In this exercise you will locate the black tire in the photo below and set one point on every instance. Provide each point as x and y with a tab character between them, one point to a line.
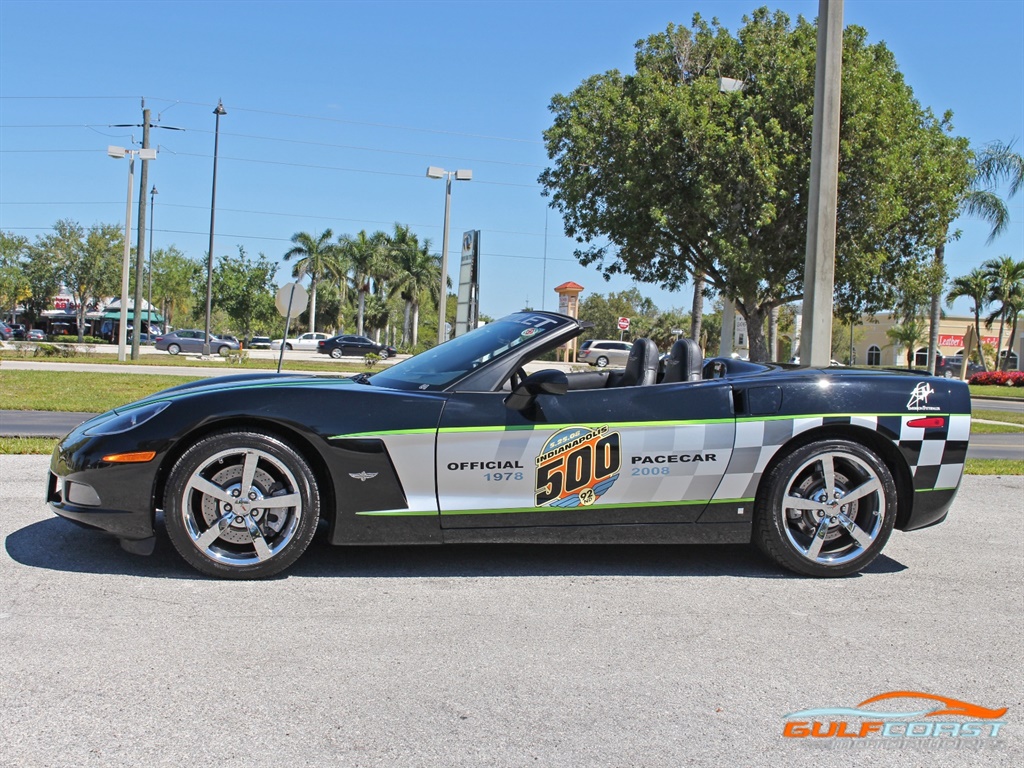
947	374
602	362
336	353
383	354
223	351
798	527
173	349
219	534
288	347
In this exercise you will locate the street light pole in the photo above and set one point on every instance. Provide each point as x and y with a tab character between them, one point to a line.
149	298
118	153
213	210
434	172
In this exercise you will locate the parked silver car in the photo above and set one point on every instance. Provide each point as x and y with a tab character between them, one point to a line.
603	352
193	341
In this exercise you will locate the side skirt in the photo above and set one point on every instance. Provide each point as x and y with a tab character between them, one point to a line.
666	533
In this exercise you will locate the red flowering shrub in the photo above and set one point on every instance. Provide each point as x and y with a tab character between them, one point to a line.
999	378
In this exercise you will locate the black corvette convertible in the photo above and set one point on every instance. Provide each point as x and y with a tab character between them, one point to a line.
460	444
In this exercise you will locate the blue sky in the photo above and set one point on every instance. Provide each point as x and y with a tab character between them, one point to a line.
335	109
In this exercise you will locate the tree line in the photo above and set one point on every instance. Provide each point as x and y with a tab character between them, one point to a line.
381	283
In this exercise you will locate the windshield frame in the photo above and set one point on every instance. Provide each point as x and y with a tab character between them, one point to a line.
482	358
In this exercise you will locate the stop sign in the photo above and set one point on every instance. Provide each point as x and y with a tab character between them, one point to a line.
623	323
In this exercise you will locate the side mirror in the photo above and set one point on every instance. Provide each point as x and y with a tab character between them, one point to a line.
548	382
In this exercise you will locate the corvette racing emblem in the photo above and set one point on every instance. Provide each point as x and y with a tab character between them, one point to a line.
577	466
919	398
362	476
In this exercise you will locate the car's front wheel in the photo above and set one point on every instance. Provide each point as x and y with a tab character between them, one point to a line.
947	374
826	509
336	353
241	505
173	349
223	351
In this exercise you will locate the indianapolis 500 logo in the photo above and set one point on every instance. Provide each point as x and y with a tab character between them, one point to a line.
577	466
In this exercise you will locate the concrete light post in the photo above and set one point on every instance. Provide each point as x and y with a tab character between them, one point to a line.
118	153
434	172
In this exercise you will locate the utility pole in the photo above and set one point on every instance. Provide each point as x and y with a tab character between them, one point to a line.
141	247
820	259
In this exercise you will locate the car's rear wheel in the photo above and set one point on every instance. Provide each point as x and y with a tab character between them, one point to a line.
947	374
602	362
288	346
173	349
826	509
241	505
336	353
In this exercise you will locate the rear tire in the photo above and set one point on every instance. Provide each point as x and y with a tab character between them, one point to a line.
336	353
602	362
826	510
241	505
173	349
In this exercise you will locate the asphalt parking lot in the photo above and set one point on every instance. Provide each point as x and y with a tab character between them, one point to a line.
496	656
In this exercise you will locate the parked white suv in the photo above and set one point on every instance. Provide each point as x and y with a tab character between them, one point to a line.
603	352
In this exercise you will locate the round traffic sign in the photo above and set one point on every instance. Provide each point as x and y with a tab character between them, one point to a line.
623	323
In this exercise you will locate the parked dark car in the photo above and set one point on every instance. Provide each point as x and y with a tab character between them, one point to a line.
5	332
36	334
192	341
17	330
353	346
949	367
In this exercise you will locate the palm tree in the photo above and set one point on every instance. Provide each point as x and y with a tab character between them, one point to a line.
907	335
316	257
995	163
974	286
420	275
363	253
1006	287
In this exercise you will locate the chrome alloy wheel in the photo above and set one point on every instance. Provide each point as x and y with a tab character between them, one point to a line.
834	507
241	506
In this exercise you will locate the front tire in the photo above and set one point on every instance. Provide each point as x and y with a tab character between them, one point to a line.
241	505
827	509
223	351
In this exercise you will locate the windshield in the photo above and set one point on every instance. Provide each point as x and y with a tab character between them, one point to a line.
445	364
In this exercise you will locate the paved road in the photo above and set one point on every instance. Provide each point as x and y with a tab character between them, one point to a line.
494	656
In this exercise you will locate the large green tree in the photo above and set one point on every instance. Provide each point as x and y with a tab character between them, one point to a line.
662	175
418	275
14	283
174	275
318	257
245	290
88	263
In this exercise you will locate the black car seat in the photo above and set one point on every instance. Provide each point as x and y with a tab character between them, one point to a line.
642	366
685	362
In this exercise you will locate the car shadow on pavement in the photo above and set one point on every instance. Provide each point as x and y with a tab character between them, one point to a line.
62	546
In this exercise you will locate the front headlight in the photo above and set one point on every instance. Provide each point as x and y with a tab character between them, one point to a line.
122	422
